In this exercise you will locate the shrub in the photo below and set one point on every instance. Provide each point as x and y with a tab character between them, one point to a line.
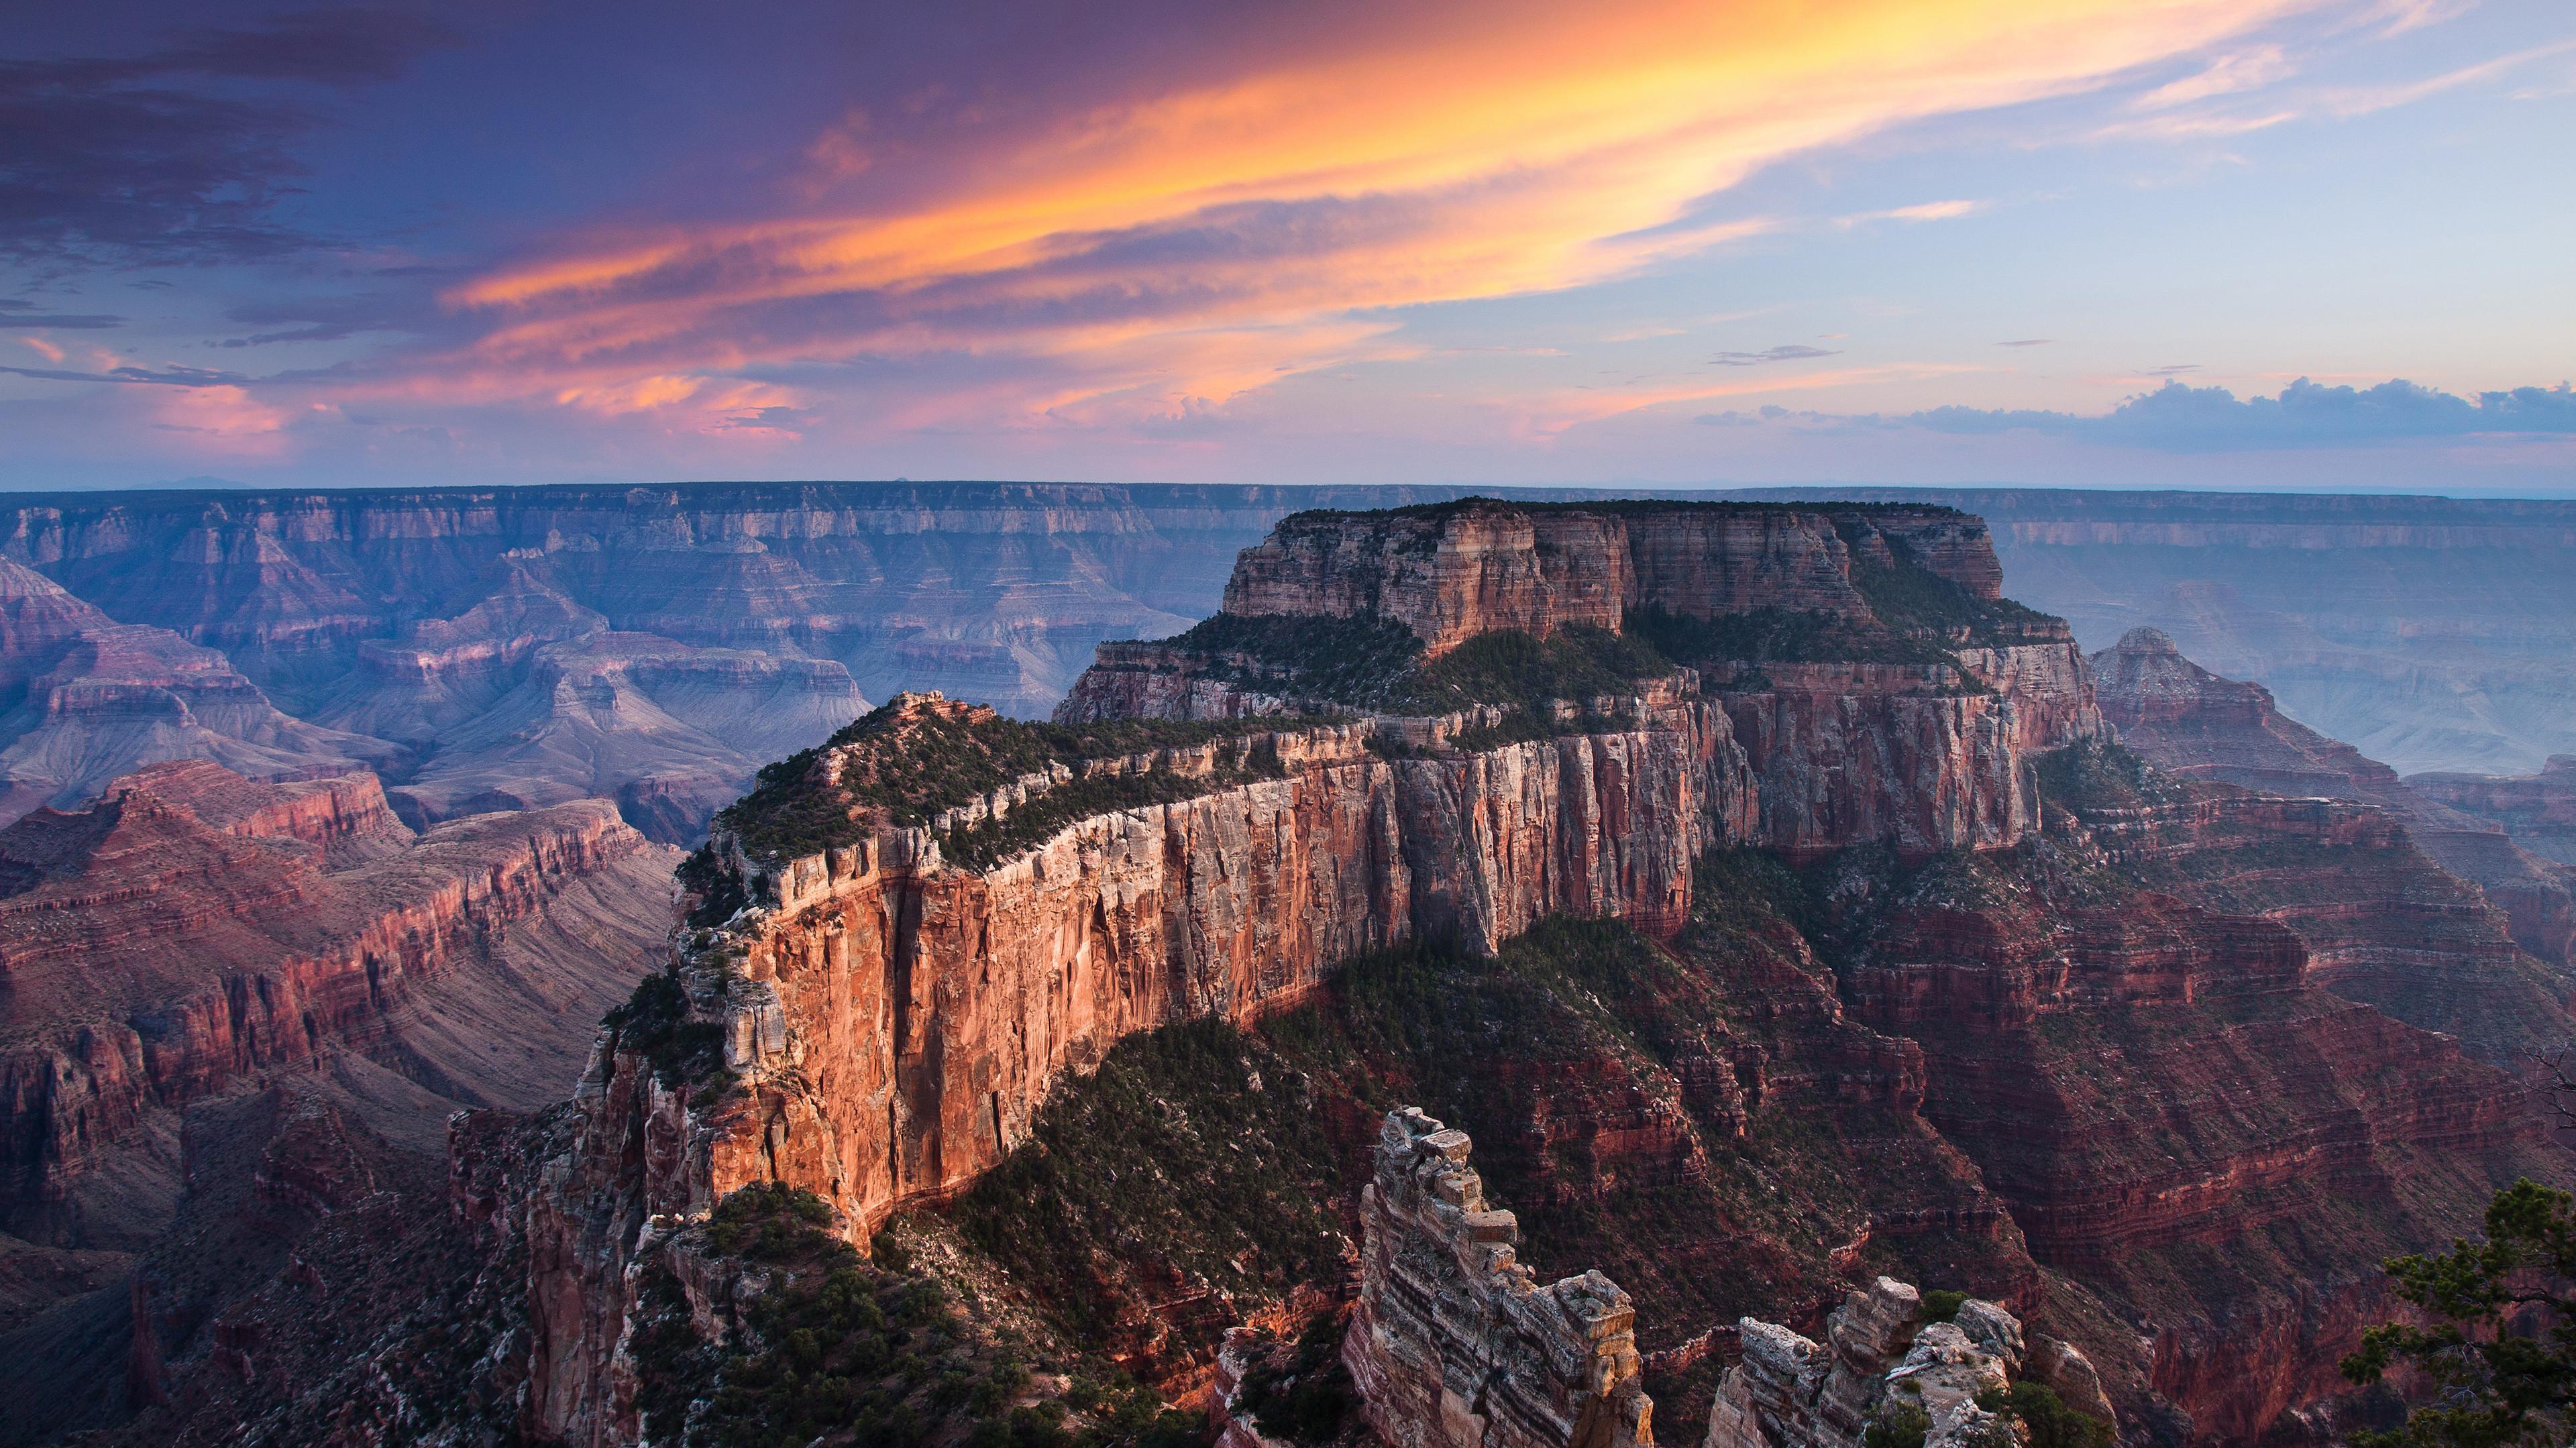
1897	1425
2049	1421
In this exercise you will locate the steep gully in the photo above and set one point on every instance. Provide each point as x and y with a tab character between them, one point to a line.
892	1022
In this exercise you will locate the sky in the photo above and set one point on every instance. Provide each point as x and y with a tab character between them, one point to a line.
2135	243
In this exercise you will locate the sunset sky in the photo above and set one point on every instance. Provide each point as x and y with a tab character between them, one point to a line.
2196	243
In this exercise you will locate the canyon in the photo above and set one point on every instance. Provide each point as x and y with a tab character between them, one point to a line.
1760	886
268	971
438	636
881	1028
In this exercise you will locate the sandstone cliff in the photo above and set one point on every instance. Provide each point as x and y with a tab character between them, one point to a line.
196	930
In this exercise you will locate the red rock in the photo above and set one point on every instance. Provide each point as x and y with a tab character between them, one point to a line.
197	929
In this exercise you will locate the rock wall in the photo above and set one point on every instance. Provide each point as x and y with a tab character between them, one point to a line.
1448	574
1913	755
2537	810
894	1022
2152	1083
1454	571
1454	1344
197	928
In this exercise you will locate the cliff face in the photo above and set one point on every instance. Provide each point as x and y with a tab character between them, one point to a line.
1452	572
2117	1079
893	1021
1447	575
2186	1109
2196	725
197	929
2537	810
84	699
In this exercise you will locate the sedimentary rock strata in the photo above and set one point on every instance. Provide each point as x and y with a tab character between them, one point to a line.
1454	1343
2397	932
196	929
84	699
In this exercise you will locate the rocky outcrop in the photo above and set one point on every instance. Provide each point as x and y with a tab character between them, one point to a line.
1879	1359
196	929
893	1022
1848	753
2154	1082
2537	810
1448	573
2431	633
1455	1344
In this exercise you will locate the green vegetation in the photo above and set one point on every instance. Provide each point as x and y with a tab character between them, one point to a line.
2090	777
911	765
1897	1425
654	1023
988	842
2046	1419
1776	635
1941	1306
1520	671
718	893
1376	664
2496	1339
788	814
1354	661
839	1349
1914	600
1194	1151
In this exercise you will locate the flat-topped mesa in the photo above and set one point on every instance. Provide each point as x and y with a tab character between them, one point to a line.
1451	571
1861	657
1454	1344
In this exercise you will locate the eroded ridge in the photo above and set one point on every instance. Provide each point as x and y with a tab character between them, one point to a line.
1455	1344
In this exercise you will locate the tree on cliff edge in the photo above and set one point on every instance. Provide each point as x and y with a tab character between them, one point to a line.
2500	1353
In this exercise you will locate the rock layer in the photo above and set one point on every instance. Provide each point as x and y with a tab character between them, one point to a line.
197	929
1454	1343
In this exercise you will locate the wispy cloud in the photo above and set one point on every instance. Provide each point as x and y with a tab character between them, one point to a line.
1924	211
1787	352
18	313
2027	342
1289	205
2196	108
2242	70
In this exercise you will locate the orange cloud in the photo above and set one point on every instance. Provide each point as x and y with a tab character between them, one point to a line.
221	420
1203	241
